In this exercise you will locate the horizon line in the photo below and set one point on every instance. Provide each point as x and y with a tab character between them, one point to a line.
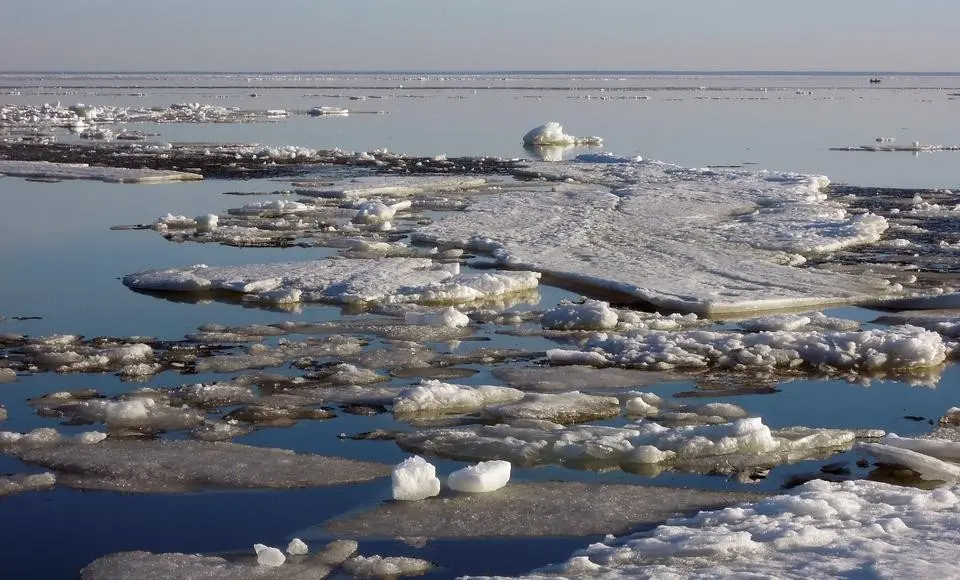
684	71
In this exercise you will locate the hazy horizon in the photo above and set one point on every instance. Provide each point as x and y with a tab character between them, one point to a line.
870	36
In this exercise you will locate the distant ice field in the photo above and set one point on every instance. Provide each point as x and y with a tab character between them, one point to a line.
786	123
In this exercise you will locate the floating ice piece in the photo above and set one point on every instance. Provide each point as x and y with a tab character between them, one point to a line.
48	170
591	315
347	281
821	530
376	211
389	567
551	133
328	111
480	478
915	147
928	467
896	348
269	557
297	547
415	479
563	408
91	437
704	241
165	466
149	566
277	206
7	375
30	482
434	397
449	317
366	187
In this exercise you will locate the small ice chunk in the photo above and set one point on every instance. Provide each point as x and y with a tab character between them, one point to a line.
415	479
591	315
91	437
450	317
551	133
390	567
297	547
269	557
480	478
7	376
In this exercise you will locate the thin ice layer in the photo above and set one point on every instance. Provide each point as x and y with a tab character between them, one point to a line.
822	530
345	281
361	187
49	170
701	241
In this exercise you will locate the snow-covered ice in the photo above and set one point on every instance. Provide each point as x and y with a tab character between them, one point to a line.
297	547
368	187
269	556
590	315
435	397
694	240
483	477
49	170
551	134
346	281
415	479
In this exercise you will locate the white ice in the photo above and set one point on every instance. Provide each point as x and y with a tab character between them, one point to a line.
483	477
694	240
449	317
49	170
268	556
434	397
297	547
347	281
551	134
366	187
590	315
414	479
820	530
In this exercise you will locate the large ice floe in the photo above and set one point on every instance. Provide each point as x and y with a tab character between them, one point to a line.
344	281
695	240
851	529
59	171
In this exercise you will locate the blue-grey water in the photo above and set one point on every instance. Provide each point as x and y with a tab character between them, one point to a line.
61	262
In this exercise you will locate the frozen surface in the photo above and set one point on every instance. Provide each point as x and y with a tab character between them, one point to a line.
822	530
435	397
346	281
693	240
364	187
896	348
533	509
48	170
483	477
144	466
415	479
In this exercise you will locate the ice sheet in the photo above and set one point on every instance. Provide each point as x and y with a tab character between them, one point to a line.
48	170
704	241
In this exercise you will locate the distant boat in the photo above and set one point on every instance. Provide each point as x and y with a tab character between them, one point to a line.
875	80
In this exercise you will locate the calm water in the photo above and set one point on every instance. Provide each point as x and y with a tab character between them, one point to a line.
59	260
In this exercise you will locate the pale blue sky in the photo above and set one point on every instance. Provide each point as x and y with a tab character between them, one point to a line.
283	35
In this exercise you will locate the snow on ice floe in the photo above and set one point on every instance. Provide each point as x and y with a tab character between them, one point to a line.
12	484
414	479
49	170
160	466
433	397
344	281
366	187
821	530
646	446
693	240
548	508
900	348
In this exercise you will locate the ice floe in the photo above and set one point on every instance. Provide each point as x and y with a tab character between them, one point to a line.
160	466
367	187
345	281
551	134
694	240
591	315
899	348
49	170
483	477
27	482
435	397
822	529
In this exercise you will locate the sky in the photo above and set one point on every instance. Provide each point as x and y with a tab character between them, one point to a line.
434	35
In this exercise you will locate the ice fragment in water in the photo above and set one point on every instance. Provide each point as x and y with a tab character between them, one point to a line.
270	557
482	477
415	479
297	547
551	133
591	315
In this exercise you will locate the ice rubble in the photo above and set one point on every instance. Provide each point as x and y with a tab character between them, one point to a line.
449	317
435	397
693	240
591	315
483	477
820	530
744	442
367	187
900	348
415	479
162	466
346	281
551	134
49	170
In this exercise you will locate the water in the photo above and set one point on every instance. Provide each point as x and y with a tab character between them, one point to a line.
60	261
